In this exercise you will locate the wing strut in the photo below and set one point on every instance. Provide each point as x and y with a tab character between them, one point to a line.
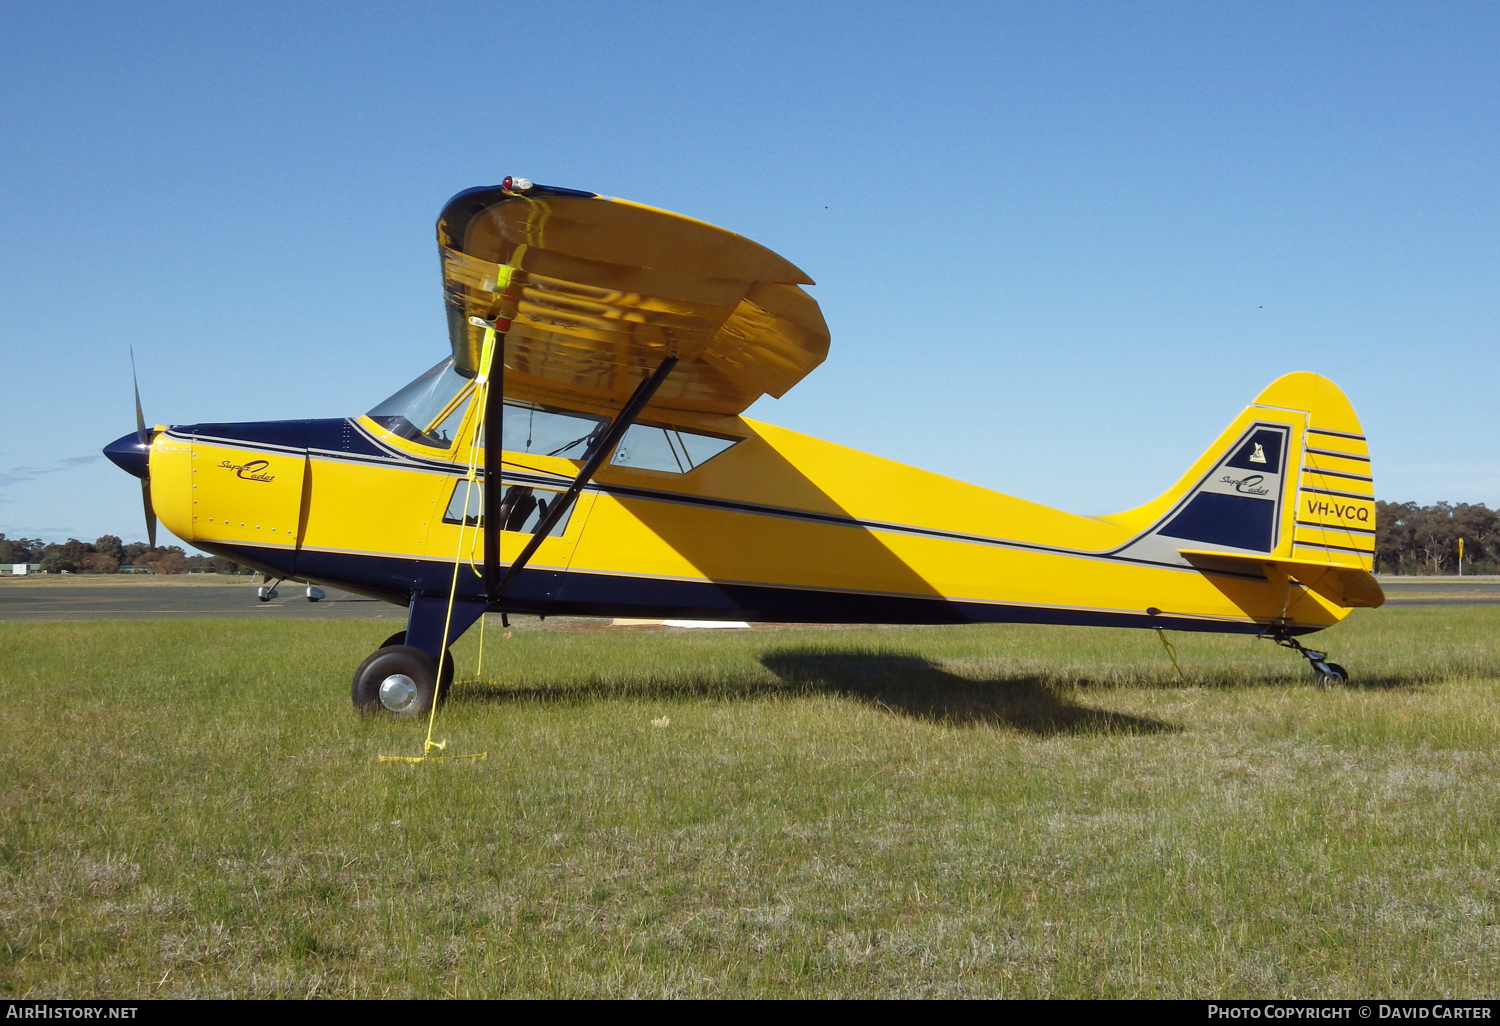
494	430
592	461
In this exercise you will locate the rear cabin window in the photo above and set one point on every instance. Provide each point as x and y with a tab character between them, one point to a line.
653	447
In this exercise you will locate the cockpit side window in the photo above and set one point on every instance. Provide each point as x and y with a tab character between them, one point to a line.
429	410
445	428
545	431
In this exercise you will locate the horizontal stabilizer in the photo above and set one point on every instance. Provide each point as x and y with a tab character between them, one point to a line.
1351	587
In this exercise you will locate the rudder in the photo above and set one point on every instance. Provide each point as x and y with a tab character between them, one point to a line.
1334	517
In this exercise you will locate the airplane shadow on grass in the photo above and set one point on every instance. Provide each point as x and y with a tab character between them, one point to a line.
910	685
902	684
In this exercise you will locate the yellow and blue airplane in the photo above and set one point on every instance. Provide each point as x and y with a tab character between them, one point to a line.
603	353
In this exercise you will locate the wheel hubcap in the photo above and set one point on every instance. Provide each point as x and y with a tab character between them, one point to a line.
398	692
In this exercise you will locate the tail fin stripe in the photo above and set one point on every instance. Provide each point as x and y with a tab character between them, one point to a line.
1341	455
1335	548
1334	527
1333	536
1339	473
1335	434
1342	495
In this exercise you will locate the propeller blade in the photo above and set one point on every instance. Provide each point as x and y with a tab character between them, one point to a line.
150	512
145	439
140	418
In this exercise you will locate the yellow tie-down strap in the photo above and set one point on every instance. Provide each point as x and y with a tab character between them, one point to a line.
431	758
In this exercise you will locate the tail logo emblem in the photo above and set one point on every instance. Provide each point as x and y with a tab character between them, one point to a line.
1259	455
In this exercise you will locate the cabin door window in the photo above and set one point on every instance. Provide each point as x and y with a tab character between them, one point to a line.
521	509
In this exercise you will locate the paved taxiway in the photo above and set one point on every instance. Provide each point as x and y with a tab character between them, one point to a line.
156	599
196	597
1441	591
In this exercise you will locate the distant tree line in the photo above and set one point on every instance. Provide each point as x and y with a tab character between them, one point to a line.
1412	539
107	554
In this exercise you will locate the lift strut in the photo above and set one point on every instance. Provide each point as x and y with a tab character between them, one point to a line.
598	452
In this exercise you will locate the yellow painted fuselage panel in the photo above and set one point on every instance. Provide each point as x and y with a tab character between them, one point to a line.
780	512
881	531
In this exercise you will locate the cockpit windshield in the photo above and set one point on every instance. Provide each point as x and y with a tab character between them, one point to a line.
429	410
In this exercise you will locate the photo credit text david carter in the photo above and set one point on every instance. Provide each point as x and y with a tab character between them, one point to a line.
1357	1010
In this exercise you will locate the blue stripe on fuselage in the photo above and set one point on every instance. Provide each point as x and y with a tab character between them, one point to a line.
578	593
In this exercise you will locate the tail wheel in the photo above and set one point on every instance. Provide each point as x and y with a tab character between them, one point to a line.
1323	670
1329	673
400	681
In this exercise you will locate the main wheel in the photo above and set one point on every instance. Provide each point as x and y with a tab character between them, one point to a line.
399	681
399	638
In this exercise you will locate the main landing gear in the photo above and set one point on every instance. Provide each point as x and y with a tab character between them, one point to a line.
400	680
1325	671
267	591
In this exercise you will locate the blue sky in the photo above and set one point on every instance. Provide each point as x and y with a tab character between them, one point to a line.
1059	245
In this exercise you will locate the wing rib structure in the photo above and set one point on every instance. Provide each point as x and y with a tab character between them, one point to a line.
603	290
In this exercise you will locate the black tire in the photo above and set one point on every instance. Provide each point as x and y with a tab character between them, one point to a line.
399	638
407	677
1328	673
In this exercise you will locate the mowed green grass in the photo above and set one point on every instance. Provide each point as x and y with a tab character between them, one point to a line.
192	808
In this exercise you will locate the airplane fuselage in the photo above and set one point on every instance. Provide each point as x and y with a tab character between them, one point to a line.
776	526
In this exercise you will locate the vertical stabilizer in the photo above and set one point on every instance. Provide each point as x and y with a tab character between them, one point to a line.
1289	479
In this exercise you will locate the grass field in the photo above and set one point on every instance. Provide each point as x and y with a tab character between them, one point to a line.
191	808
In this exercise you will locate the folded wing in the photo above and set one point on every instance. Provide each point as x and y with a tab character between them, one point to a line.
603	289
